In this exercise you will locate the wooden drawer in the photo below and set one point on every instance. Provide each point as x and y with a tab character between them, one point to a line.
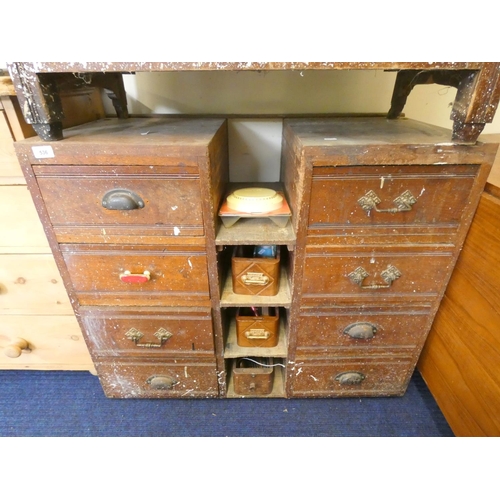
253	376
352	377
31	284
148	331
180	379
255	275
21	229
114	203
427	198
347	331
55	343
177	275
334	275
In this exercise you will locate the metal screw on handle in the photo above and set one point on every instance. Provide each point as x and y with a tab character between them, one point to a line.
403	202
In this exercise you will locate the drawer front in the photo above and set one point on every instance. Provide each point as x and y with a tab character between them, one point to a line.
347	331
160	276
378	275
183	379
129	332
352	377
410	198
31	284
24	232
148	201
54	343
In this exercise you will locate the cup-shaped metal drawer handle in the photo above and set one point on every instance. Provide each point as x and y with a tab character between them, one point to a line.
350	378
128	277
136	335
122	199
361	330
162	382
388	275
403	202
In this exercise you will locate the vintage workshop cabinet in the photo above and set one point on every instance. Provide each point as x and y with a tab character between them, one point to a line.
379	211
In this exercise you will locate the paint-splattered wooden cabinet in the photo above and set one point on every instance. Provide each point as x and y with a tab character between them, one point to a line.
379	211
130	210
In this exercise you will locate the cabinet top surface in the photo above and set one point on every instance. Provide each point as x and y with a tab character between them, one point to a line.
354	131
158	131
48	67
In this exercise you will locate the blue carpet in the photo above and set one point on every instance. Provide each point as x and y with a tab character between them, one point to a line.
72	404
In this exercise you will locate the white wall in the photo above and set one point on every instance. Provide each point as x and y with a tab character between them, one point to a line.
255	143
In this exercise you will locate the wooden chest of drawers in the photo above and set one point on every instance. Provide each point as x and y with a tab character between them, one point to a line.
35	309
379	209
129	208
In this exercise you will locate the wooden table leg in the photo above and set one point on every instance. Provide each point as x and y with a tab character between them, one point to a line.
478	94
38	95
476	102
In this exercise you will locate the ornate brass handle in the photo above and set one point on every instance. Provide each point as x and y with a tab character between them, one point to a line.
161	382
389	275
122	199
135	335
361	330
350	378
257	333
403	202
128	277
255	279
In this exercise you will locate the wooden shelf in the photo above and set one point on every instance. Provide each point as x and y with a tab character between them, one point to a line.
282	299
256	231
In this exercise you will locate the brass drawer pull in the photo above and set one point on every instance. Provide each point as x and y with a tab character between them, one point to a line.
389	275
135	335
122	199
350	378
161	382
403	202
128	277
255	279
361	330
257	333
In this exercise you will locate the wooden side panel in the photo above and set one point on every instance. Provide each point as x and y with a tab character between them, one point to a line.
461	357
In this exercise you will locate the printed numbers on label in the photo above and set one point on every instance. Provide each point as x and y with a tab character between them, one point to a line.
43	152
